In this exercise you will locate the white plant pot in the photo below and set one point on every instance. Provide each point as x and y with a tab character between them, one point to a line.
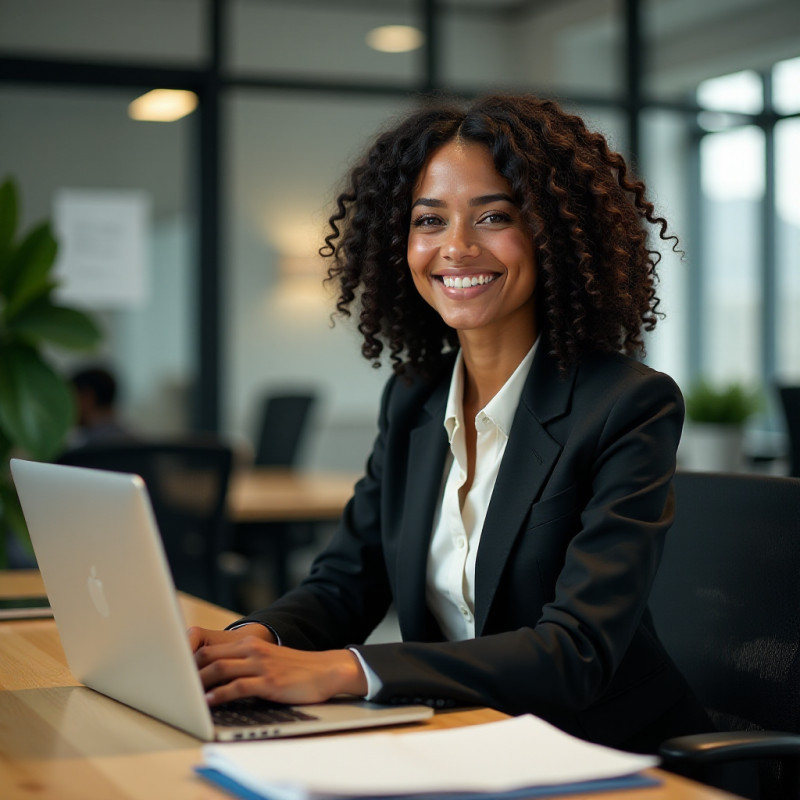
711	447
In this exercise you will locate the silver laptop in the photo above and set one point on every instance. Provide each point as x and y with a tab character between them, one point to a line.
115	607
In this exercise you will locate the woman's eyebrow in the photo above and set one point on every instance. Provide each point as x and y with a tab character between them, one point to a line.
481	200
428	201
485	199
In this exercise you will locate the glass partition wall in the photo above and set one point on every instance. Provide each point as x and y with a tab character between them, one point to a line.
74	152
290	90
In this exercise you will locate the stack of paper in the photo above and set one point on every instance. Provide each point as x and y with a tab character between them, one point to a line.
519	757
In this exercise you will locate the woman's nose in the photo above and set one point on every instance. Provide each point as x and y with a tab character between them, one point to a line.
461	242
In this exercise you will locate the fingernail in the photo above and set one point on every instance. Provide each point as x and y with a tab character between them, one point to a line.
209	697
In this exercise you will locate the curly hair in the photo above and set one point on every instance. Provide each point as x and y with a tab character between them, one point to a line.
587	216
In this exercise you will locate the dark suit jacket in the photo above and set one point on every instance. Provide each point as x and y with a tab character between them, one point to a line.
570	546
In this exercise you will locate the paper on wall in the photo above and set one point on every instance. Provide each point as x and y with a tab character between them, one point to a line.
104	245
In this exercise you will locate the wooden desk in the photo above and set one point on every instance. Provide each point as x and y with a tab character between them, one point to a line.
61	741
263	494
263	503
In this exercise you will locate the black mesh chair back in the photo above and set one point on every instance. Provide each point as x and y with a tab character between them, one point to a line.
284	421
726	600
188	483
790	402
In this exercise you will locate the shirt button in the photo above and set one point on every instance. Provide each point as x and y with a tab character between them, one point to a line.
465	612
461	542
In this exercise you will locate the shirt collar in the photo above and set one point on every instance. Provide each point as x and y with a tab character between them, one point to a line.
452	412
500	409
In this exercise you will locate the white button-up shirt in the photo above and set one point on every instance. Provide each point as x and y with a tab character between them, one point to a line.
457	526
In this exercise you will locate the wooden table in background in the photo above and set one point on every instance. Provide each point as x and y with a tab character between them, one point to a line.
262	494
62	741
267	505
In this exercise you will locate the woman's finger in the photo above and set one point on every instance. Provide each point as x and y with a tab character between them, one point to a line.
232	666
242	647
236	690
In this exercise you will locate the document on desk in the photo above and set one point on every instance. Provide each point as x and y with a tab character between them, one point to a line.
519	757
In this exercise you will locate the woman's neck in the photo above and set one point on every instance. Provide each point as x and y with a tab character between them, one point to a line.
489	361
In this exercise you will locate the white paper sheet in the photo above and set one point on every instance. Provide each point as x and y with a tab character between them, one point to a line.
501	756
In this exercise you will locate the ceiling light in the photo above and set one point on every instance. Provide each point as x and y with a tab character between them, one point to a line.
163	105
395	38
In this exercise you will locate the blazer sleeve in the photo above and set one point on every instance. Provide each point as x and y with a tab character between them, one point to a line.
620	450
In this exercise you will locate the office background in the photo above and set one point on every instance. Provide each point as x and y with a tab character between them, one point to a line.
703	96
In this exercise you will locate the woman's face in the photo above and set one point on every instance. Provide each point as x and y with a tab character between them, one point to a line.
471	256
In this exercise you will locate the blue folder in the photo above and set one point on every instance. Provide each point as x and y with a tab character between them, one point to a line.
635	781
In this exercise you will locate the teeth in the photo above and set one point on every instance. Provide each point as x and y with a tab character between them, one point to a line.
463	283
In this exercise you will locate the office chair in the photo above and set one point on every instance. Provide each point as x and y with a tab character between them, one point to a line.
187	481
726	604
283	424
790	402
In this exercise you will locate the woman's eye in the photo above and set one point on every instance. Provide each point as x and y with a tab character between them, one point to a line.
426	220
496	217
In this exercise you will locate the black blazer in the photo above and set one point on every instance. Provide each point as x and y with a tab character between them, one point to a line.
569	549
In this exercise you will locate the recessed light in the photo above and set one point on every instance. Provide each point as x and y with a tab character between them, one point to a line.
395	38
163	105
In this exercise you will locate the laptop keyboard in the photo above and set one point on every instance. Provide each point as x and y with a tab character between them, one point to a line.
254	711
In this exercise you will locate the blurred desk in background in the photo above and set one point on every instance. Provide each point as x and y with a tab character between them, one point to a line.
264	494
274	511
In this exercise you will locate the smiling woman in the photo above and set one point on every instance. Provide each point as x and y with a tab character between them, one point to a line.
516	500
584	214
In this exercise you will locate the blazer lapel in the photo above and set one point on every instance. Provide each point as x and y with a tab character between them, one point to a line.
426	457
528	460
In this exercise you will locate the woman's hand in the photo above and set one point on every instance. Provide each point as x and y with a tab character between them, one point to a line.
246	662
200	637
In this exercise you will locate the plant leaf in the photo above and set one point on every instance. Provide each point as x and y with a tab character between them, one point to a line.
731	404
37	406
68	327
28	267
41	293
12	517
8	222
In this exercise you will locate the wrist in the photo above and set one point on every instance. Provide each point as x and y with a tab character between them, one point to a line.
350	677
258	629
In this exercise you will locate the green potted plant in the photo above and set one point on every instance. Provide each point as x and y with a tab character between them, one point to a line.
716	415
37	407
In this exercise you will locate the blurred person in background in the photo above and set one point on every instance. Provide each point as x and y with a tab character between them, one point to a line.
97	422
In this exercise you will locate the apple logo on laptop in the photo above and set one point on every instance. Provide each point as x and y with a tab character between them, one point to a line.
97	593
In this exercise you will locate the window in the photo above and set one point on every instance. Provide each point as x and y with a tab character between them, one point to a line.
787	256
732	186
747	283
